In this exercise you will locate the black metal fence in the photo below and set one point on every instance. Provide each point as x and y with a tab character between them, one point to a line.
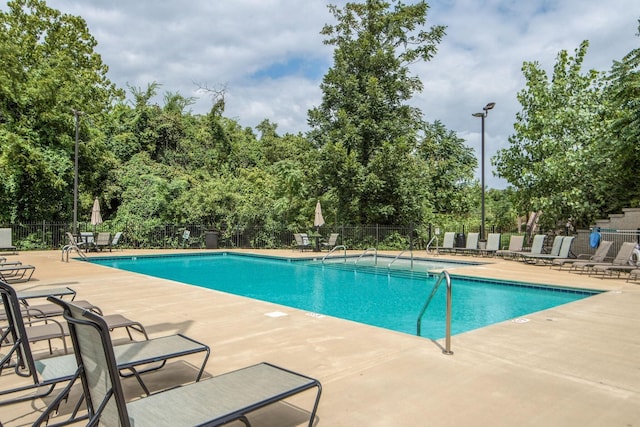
44	235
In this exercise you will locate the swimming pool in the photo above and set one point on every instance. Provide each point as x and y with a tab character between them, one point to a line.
385	298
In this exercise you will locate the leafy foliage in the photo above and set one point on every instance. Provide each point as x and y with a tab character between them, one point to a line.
49	68
623	95
364	125
554	154
369	157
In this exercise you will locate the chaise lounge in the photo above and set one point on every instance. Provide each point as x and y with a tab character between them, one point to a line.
471	244
621	259
515	246
447	242
42	376
5	240
565	250
216	401
599	256
532	257
17	272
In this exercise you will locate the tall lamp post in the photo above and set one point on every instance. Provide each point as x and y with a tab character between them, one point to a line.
485	111
77	115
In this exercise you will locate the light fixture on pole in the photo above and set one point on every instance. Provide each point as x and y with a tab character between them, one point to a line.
485	111
77	115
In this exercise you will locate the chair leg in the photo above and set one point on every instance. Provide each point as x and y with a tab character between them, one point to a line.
136	326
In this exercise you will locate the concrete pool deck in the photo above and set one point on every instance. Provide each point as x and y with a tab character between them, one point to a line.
573	365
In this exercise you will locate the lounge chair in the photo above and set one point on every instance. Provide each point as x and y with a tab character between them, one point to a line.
103	240
42	376
333	239
5	240
492	245
48	310
608	270
115	242
87	240
555	251
599	256
37	329
515	246
302	242
16	273
537	246
621	259
41	311
219	400
563	252
472	244
41	325
448	242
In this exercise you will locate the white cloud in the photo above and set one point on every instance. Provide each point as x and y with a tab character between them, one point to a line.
182	44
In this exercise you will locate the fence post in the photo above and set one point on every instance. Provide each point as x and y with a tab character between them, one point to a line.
411	236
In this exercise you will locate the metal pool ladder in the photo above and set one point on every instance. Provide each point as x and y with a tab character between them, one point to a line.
399	255
442	276
375	255
343	247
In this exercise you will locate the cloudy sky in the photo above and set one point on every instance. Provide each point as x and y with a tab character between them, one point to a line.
269	55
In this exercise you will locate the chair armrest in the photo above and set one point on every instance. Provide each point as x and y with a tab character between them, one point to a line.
44	321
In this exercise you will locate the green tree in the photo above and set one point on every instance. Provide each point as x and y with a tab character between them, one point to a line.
623	95
449	166
554	156
364	111
501	209
49	68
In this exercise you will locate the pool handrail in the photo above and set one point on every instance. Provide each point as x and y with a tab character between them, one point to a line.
444	275
334	248
399	255
375	256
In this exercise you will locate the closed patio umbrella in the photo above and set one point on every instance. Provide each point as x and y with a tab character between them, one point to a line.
96	217
318	220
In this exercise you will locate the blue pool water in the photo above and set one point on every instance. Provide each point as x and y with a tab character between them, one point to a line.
388	299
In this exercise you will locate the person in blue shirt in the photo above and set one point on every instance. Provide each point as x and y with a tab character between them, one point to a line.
594	237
